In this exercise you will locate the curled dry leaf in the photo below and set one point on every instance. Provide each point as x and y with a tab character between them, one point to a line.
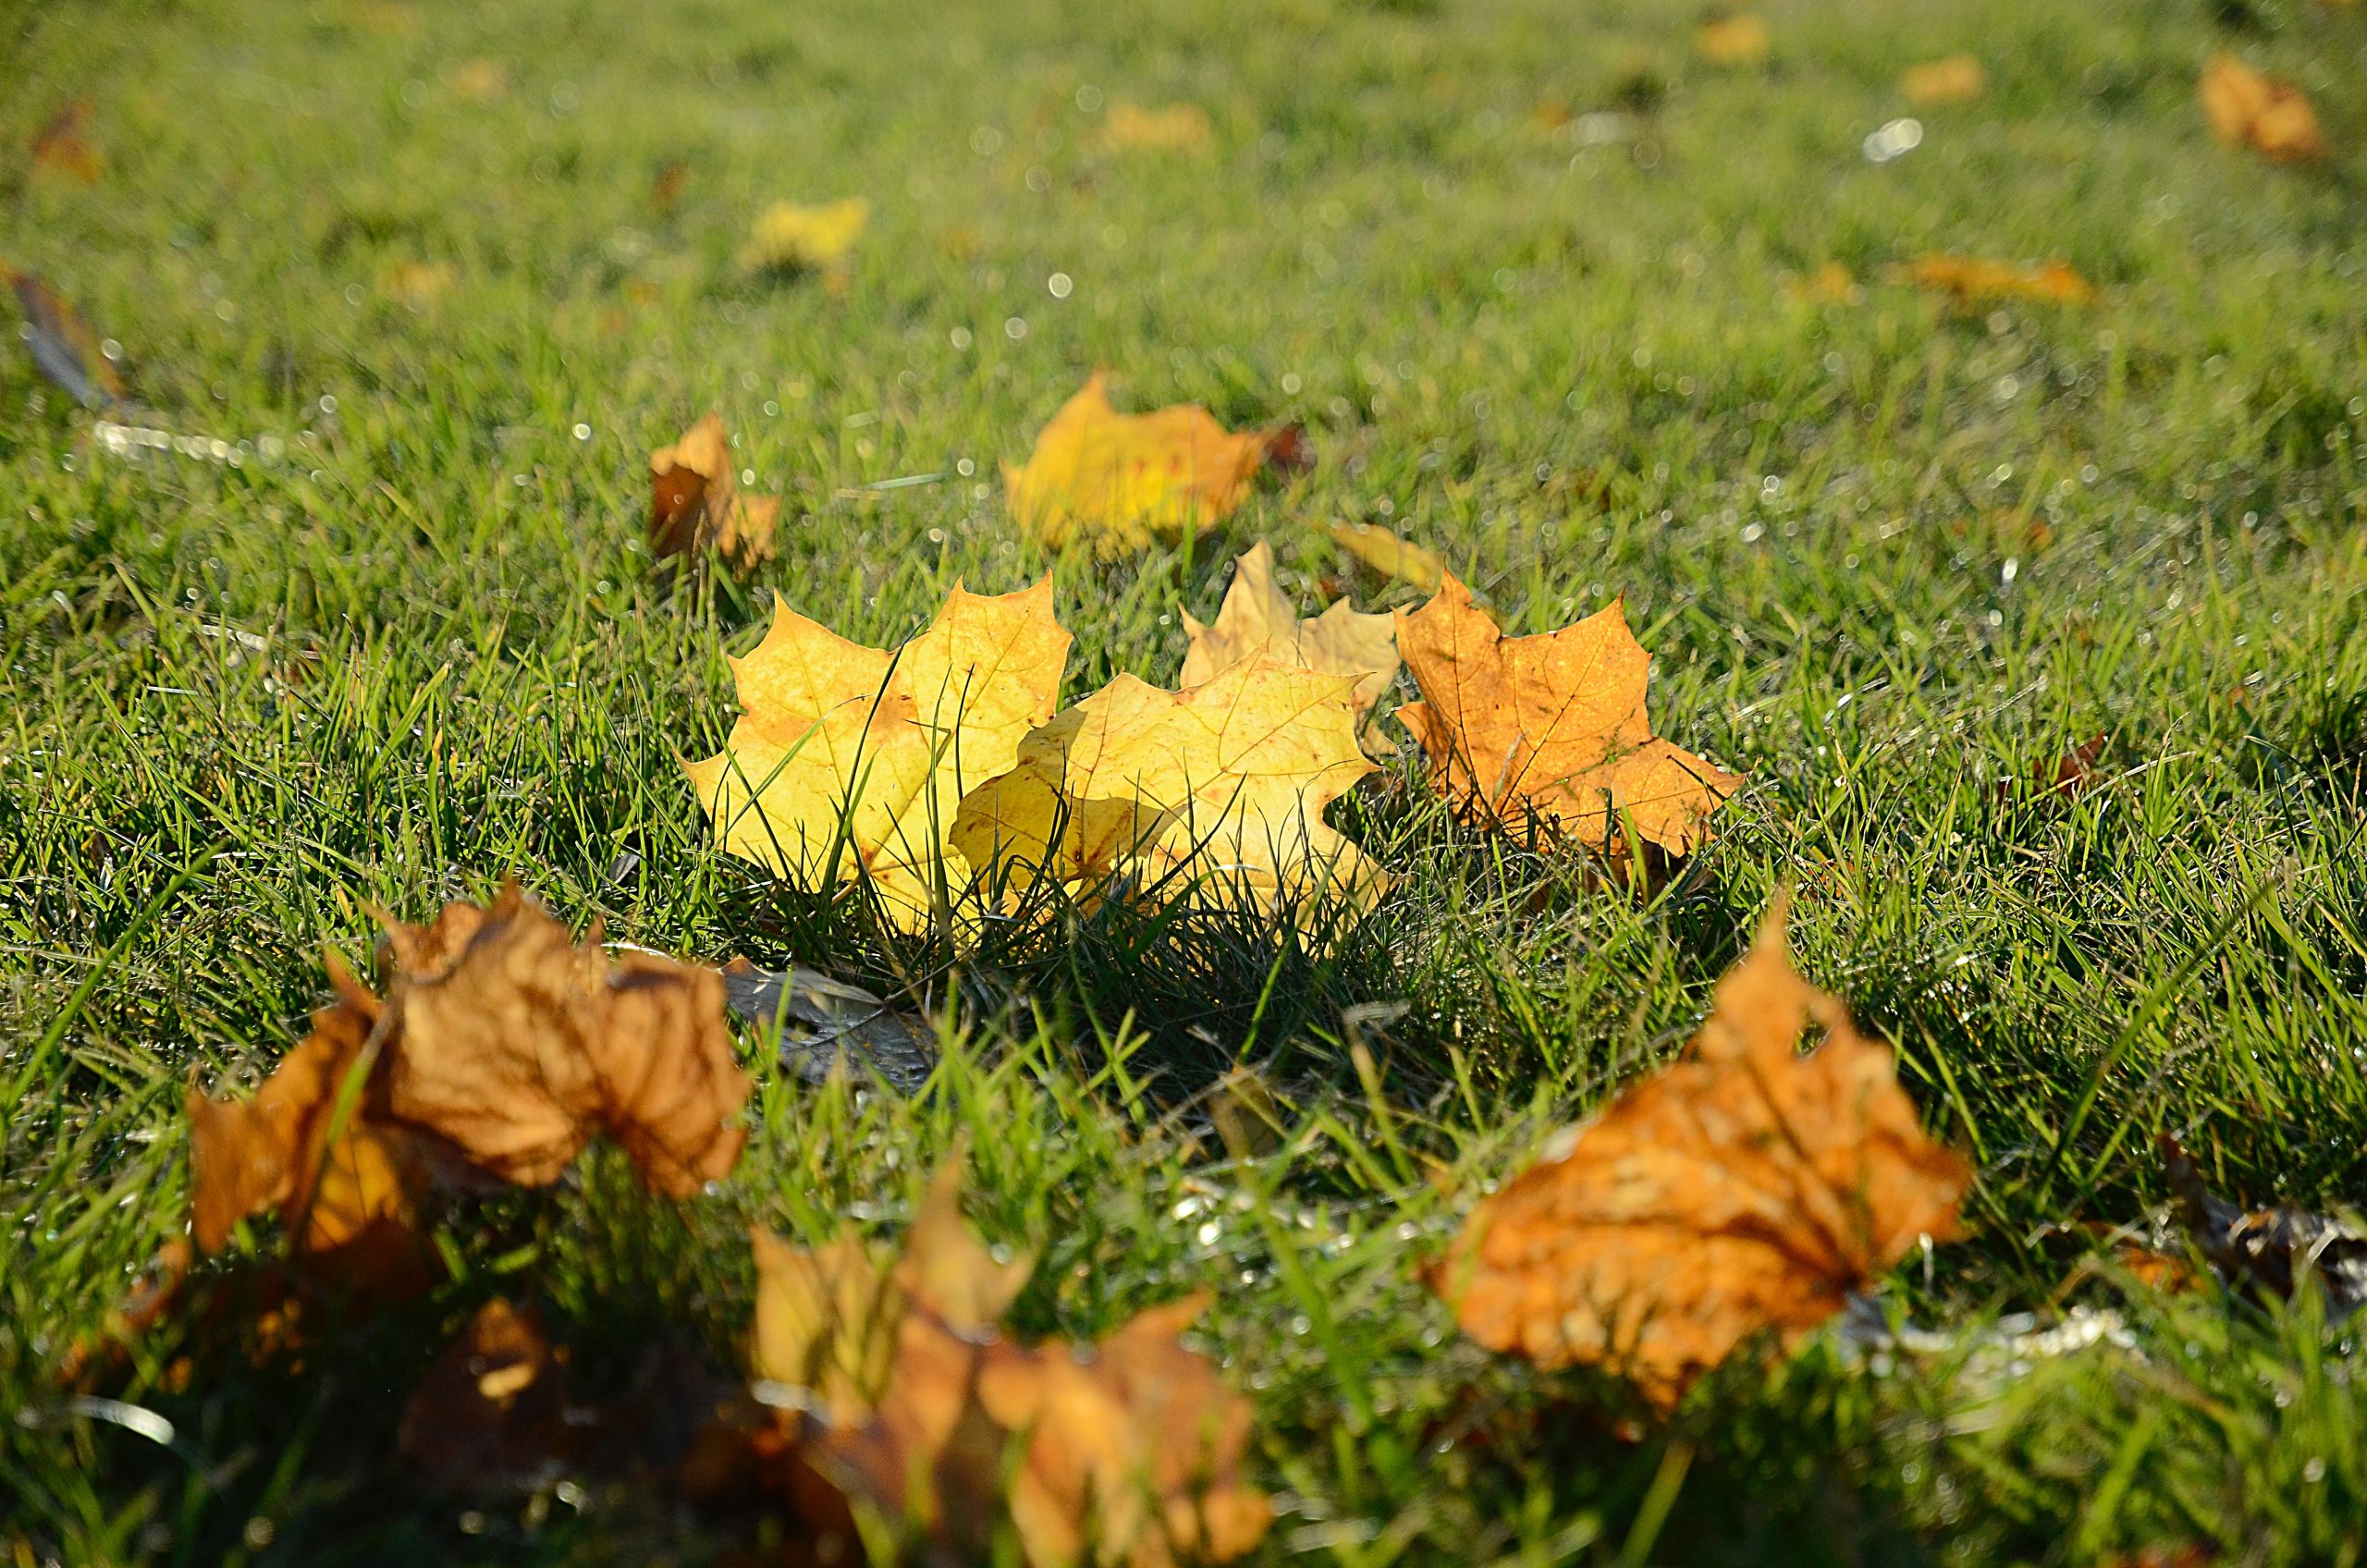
853	761
1176	127
1117	480
2270	1249
792	238
63	347
1129	1452
521	1048
1389	555
1257	617
695	503
1976	280
1545	738
1220	788
823	1022
1734	42
1743	1189
1959	79
2249	108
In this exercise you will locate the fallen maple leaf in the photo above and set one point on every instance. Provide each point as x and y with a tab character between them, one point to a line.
521	1048
905	1398
58	147
853	760
1389	555
2273	1249
695	503
63	348
1219	788
1972	280
1546	737
1733	42
1257	617
1117	480
1828	285
823	1022
790	237
1959	79
1176	127
2268	114
1743	1189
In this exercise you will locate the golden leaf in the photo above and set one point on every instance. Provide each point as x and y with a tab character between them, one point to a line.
1973	280
2249	108
1257	617
695	503
789	237
826	1322
1117	480
1733	42
1959	79
1222	788
1546	737
1389	555
854	757
1829	285
521	1048
1176	127
1743	1189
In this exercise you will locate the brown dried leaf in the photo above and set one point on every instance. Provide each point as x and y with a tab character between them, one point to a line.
695	503
59	146
521	1048
2271	1249
1741	1189
490	1416
63	346
1546	737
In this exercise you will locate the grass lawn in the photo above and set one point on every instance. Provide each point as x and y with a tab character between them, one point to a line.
1527	272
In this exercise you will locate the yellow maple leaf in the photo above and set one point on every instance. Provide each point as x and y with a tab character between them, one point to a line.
1118	480
2249	108
1743	1189
856	758
1257	617
1958	78
1546	737
1733	42
1389	555
1177	127
695	503
792	237
1221	788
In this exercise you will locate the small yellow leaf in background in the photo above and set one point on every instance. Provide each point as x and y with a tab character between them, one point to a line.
1959	79
1545	738
695	503
1733	42
1973	280
1257	617
1389	555
790	237
1118	480
1126	1451
1220	787
417	284
1829	285
853	756
1177	127
1741	1189
481	80
2249	108
59	147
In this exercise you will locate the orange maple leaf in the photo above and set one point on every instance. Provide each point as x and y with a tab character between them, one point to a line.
2268	114
1546	737
1119	480
1973	280
695	503
1743	1189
